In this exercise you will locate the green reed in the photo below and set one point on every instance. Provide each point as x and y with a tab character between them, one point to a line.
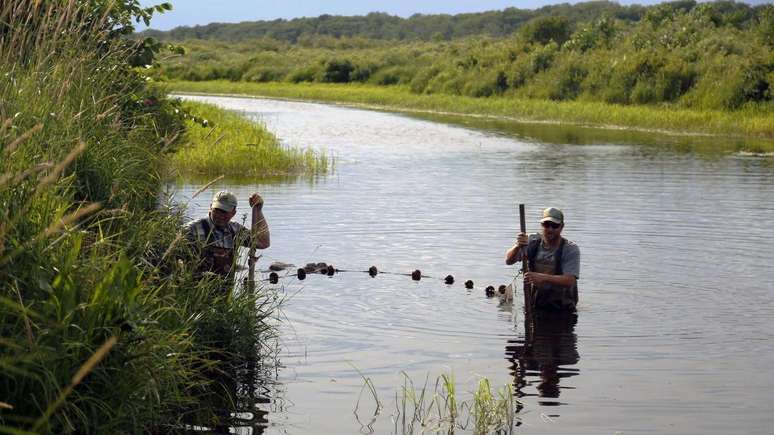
750	123
103	328
437	408
226	143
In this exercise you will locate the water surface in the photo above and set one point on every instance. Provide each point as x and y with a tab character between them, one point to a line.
674	326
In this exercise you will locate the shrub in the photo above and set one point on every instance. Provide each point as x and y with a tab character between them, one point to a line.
387	76
420	81
337	71
729	85
303	74
546	29
264	74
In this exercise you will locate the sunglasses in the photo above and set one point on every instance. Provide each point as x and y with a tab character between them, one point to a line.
549	224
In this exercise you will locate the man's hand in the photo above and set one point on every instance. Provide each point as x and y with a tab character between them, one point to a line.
535	278
518	250
522	240
256	201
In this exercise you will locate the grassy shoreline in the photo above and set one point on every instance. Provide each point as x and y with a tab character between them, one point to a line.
231	145
743	123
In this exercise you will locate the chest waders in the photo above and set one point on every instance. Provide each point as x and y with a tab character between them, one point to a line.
542	296
217	260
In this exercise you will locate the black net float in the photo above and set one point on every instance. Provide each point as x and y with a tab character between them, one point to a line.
489	291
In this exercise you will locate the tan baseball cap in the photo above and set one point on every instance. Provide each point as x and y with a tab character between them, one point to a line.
554	215
225	201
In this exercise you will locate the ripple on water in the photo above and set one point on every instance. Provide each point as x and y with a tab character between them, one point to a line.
675	290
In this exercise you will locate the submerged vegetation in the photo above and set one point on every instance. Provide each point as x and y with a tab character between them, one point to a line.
228	143
103	327
676	57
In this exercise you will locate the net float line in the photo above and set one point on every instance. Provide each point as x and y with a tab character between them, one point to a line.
329	270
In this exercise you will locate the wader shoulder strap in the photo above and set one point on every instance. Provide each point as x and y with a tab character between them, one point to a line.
207	232
532	250
558	257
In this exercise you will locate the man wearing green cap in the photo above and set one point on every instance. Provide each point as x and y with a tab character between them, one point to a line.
554	263
217	238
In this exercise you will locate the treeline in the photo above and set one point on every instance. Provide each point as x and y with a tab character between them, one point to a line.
378	25
103	326
697	55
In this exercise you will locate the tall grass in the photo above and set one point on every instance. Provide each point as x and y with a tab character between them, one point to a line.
750	122
230	144
103	328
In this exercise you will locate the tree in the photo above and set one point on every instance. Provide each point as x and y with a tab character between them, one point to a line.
546	29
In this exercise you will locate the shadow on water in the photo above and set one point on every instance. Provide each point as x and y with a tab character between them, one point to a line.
542	358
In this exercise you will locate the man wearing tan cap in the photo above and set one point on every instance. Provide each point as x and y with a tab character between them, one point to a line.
554	263
217	238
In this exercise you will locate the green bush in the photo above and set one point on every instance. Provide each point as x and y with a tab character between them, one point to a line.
623	58
263	74
387	76
337	71
422	79
547	29
730	86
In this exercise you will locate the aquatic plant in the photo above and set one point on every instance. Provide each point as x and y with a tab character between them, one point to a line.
438	408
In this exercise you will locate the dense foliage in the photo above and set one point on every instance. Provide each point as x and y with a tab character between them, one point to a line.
102	329
379	25
695	55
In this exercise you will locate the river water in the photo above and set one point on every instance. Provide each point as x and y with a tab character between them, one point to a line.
675	323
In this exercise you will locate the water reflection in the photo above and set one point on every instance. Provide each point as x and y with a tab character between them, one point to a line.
703	145
234	398
410	194
542	357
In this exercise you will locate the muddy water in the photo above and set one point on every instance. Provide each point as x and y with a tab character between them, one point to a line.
676	317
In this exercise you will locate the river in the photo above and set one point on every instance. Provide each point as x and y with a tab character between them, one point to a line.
676	314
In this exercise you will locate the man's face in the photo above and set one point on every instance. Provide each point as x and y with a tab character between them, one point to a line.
221	218
551	231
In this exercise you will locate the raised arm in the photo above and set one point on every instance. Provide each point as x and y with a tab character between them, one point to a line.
260	231
514	254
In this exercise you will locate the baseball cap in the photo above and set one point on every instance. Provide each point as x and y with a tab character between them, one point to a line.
553	214
225	201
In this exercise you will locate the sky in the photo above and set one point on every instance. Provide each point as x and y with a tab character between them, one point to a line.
200	12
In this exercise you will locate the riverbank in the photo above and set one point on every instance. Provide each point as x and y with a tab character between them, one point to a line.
219	142
104	325
743	123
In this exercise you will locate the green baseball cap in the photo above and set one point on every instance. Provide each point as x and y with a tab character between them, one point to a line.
554	215
225	201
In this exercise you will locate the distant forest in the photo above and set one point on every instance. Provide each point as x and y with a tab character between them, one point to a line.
378	25
706	56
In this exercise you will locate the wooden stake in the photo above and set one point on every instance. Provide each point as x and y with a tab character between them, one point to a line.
528	293
251	255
